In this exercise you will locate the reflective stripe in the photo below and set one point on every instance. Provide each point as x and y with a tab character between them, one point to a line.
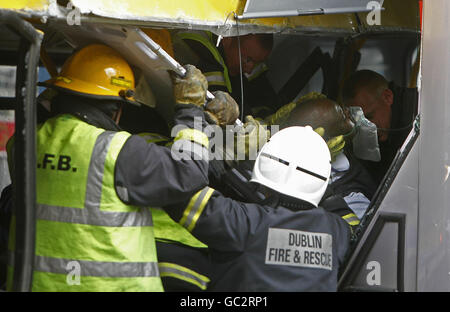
195	208
96	168
93	268
122	191
90	217
351	219
193	135
97	268
177	271
215	78
153	137
211	48
91	213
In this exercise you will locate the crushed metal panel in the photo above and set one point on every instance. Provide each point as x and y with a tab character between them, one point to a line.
212	15
434	185
401	198
208	12
25	5
397	15
269	8
215	16
341	24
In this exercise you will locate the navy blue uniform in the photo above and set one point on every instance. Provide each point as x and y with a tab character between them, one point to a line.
277	246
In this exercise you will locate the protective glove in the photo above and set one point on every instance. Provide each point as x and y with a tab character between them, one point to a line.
335	144
222	110
283	113
320	131
250	139
191	89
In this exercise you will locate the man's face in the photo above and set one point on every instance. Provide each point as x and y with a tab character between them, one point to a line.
375	109
334	119
252	53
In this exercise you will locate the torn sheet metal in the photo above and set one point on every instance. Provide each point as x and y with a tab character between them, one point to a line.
266	8
215	16
25	5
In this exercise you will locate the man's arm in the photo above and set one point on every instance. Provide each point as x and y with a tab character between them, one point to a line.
218	221
150	175
337	205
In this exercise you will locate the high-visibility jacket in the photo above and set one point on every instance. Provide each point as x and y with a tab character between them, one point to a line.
259	96
87	239
218	78
190	271
167	231
268	247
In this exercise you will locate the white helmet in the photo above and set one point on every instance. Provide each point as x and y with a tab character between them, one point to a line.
295	162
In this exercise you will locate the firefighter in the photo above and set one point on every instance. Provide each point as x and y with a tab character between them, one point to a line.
390	107
96	182
183	260
287	243
219	61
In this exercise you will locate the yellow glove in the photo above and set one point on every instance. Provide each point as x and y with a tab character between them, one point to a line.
191	89
250	139
311	96
222	110
282	113
335	144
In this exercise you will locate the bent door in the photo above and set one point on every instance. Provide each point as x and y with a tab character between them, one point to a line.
406	241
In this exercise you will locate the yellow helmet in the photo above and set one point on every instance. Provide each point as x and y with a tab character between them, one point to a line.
96	71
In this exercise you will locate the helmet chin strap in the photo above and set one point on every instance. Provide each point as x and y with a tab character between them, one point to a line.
118	114
275	199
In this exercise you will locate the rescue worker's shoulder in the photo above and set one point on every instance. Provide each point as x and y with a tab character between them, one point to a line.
144	169
218	221
336	205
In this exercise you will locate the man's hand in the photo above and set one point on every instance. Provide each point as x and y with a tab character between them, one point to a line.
251	138
222	110
191	89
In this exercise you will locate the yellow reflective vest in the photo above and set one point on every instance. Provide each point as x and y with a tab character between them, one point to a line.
215	78
87	239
